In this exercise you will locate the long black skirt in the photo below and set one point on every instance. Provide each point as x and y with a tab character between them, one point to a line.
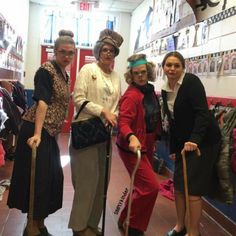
48	175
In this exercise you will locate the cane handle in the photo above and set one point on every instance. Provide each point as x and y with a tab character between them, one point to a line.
198	152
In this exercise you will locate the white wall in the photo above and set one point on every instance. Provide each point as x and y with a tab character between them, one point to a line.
121	61
33	55
34	50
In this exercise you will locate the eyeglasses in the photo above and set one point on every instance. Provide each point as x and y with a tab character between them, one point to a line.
139	73
66	53
108	51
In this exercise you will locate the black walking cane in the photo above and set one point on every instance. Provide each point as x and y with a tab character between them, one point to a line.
186	187
108	156
32	186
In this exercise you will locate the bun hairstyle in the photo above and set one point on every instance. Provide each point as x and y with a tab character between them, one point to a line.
65	37
134	61
66	33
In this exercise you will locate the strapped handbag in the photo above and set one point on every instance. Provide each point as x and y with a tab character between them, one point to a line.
88	132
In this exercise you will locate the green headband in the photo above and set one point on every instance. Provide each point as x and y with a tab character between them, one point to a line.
138	62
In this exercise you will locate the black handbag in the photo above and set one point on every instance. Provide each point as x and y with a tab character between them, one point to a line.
88	132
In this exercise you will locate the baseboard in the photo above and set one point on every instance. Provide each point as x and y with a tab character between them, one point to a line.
160	168
219	217
167	172
223	221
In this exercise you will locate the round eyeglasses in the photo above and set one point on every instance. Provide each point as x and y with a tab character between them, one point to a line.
108	51
66	53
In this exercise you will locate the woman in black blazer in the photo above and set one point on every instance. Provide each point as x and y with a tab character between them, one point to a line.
189	126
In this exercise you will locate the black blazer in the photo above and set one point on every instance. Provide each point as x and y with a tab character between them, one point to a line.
192	120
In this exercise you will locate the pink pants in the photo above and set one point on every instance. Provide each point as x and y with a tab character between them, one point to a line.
145	192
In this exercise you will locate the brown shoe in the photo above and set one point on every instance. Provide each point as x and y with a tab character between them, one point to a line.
89	232
97	231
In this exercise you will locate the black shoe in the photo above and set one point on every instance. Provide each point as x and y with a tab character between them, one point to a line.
135	232
121	225
25	232
175	233
44	232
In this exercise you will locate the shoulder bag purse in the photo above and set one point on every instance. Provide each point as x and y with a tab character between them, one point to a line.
88	132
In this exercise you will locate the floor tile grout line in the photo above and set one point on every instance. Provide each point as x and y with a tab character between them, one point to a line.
5	222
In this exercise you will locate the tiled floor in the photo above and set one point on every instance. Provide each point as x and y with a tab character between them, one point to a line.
163	217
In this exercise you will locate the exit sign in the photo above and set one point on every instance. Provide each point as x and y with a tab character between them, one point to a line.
84	6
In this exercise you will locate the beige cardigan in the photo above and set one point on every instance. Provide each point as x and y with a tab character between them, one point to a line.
101	89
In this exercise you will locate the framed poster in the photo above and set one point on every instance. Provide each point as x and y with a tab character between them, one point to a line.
233	62
159	71
212	65
170	43
226	63
219	63
189	65
199	65
205	65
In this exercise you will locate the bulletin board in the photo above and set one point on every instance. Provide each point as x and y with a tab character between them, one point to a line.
11	52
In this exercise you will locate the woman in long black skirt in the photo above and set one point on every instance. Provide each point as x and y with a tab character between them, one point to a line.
41	124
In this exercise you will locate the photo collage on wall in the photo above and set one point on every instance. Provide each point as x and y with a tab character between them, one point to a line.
211	65
11	51
215	64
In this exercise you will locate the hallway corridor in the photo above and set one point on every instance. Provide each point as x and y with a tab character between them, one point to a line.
163	218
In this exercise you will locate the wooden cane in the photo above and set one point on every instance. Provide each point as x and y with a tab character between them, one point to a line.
32	186
186	188
131	192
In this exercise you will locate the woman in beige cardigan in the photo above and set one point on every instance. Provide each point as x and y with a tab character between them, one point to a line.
100	85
